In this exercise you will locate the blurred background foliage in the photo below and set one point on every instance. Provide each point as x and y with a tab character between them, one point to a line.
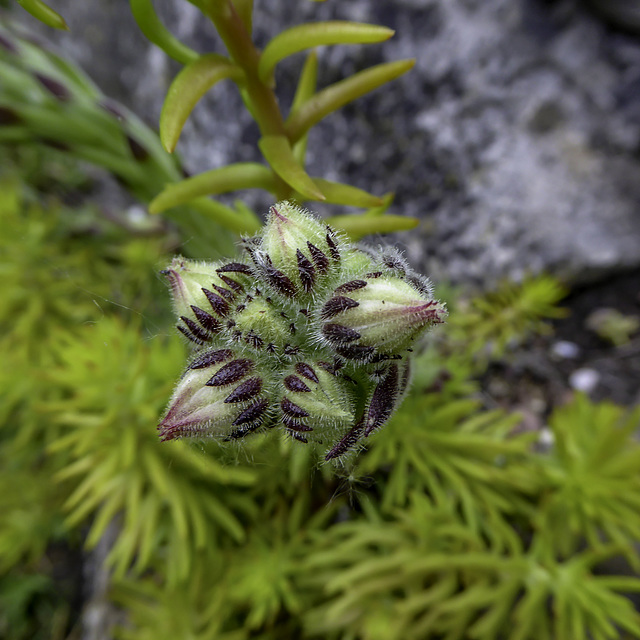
456	521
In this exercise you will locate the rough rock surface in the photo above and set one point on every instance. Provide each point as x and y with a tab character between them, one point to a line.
515	139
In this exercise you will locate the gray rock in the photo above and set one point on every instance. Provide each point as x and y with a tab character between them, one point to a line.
515	139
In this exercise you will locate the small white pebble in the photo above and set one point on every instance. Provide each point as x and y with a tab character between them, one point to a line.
584	380
565	350
546	437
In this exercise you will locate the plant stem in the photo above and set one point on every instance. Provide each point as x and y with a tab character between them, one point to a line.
264	104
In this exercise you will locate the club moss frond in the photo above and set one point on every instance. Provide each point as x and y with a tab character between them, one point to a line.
491	323
461	456
168	502
592	475
427	574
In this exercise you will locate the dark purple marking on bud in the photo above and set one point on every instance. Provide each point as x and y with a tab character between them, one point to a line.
293	409
383	400
252	413
187	334
231	283
421	284
290	349
271	347
55	88
225	293
8	117
231	373
282	313
292	329
347	441
197	331
404	379
246	390
206	320
113	108
337	305
333	248
373	274
254	340
327	366
394	262
355	352
306	371
236	267
220	306
236	336
293	383
339	334
7	45
352	285
319	258
306	271
210	358
292	423
279	281
383	357
240	308
250	245
241	432
298	437
231	323
137	150
304	312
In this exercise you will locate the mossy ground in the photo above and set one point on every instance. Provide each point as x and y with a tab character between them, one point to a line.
456	521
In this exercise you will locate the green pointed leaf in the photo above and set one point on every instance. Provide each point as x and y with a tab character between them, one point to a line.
337	95
278	153
186	90
306	36
387	199
156	32
234	220
242	175
304	91
337	193
40	11
357	227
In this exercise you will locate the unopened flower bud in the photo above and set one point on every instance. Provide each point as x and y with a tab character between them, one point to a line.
384	316
204	294
219	391
299	251
309	333
315	401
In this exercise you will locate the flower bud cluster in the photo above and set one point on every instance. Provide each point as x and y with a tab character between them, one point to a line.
306	332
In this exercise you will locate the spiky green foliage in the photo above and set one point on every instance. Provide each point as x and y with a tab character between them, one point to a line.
47	100
490	324
452	523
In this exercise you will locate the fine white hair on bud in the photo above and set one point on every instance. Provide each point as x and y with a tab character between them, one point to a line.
306	332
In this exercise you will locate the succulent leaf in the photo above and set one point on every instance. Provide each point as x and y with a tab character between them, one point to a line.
306	36
198	77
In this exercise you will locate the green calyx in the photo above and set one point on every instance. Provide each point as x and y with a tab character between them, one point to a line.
308	333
